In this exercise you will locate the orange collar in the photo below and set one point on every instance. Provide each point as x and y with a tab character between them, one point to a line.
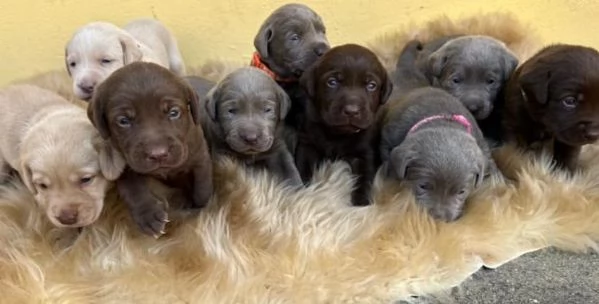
257	63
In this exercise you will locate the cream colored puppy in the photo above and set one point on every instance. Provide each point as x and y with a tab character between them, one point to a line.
57	152
99	48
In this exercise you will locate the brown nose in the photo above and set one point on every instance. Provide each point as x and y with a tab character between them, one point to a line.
157	154
351	110
68	216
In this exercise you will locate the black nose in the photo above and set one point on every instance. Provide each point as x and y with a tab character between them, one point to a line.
68	216
250	138
88	89
321	49
158	154
351	110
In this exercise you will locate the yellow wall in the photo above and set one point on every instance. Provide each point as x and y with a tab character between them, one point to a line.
33	32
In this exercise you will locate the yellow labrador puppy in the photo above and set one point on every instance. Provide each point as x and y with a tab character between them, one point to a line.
57	152
99	48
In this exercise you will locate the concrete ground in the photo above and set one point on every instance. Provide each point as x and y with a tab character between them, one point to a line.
542	277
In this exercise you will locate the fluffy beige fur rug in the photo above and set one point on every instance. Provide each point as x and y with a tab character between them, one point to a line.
259	242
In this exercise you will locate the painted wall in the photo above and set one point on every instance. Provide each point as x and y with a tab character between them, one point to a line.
33	32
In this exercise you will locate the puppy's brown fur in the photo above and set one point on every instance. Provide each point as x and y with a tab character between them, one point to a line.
152	117
554	97
346	87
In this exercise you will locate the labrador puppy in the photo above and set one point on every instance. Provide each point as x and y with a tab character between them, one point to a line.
346	87
289	41
152	117
554	98
473	68
243	118
431	141
97	49
57	153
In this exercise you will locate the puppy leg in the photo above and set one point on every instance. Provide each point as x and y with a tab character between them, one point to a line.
148	212
175	59
306	159
363	168
202	180
283	165
566	156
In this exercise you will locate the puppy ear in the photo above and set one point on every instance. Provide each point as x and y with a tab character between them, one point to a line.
434	65
535	83
481	172
262	40
400	159
27	177
386	90
284	102
210	102
95	112
131	51
112	163
66	62
510	63
194	104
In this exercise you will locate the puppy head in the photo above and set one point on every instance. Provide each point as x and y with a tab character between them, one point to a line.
560	86
346	87
67	173
291	39
474	69
94	52
442	168
148	114
247	106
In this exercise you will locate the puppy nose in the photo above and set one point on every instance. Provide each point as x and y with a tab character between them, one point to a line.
351	110
249	137
68	216
86	87
321	49
158	154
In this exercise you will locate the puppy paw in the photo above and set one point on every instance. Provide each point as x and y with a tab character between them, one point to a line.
151	220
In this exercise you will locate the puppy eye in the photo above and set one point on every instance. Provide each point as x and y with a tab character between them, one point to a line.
232	111
86	180
42	186
73	64
174	113
462	192
332	82
371	86
569	102
490	81
123	121
267	110
425	186
294	37
106	61
456	80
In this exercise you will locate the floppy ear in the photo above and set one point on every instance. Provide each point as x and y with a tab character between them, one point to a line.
400	159
131	50
66	63
95	112
510	62
535	83
307	81
386	90
262	39
194	104
210	102
284	102
434	65
481	172
112	163
26	177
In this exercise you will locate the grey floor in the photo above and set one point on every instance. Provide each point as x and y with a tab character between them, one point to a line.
546	276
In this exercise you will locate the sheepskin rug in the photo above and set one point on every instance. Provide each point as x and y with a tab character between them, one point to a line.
260	242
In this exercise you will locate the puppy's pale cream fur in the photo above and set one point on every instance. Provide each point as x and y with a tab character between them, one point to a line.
54	146
97	49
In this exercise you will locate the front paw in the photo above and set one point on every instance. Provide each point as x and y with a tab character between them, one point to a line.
151	219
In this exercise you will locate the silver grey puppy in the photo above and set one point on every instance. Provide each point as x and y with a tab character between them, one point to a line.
244	119
430	140
291	39
473	68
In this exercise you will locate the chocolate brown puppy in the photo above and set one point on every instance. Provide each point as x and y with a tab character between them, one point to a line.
346	88
243	118
554	98
289	41
152	117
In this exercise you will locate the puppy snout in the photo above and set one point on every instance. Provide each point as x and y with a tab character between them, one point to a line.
86	86
351	110
68	216
320	49
590	131
250	137
157	154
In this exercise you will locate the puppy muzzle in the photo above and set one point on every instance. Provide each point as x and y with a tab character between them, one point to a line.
167	154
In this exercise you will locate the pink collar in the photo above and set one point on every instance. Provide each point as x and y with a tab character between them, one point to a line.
455	117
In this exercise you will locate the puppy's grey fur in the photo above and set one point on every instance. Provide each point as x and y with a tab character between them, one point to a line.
440	160
291	39
473	68
243	118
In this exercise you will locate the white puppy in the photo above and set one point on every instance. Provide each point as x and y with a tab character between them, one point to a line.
99	48
57	152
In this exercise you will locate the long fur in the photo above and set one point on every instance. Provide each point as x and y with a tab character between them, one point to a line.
260	242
